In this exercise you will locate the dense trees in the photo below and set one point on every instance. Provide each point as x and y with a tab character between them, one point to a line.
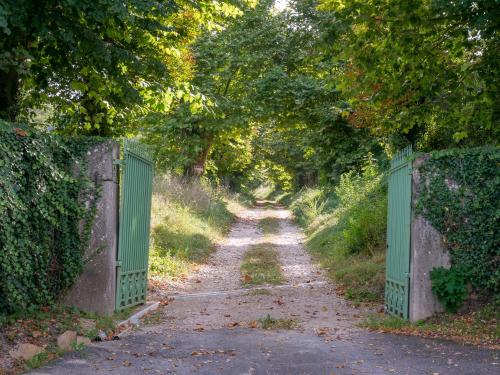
97	65
237	89
421	71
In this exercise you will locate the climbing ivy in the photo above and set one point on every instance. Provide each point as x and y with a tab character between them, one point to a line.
460	197
47	207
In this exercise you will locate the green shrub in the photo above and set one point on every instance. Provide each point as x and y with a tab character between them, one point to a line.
346	228
450	287
43	201
460	197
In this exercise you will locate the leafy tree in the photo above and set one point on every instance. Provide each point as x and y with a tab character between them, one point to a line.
268	81
421	71
97	63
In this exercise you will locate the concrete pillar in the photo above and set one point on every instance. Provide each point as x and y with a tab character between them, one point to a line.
95	288
427	251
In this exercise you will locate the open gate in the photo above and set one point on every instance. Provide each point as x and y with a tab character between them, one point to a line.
397	284
135	216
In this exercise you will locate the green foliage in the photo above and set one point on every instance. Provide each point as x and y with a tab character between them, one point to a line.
346	229
188	218
420	71
37	361
268	322
98	65
272	112
44	219
460	196
450	286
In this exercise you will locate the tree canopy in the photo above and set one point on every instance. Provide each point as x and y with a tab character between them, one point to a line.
237	89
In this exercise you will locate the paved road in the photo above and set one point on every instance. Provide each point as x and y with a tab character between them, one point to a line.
254	351
208	328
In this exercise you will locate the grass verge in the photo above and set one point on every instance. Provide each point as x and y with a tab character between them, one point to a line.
479	327
188	218
261	266
269	225
345	228
268	322
359	278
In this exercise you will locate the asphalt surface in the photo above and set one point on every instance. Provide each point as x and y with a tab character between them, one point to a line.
256	351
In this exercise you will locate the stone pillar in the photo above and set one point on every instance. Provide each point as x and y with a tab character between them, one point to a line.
95	289
427	251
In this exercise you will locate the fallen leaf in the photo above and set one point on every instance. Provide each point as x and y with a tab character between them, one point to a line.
20	132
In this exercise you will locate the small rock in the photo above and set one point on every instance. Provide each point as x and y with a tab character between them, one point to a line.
82	340
65	340
26	351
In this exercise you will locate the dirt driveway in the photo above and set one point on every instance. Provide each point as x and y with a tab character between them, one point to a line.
210	326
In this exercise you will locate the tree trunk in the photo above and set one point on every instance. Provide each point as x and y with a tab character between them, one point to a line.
197	169
9	87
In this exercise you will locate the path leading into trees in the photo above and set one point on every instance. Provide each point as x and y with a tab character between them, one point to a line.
210	325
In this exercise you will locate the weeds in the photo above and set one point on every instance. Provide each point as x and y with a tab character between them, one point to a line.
37	361
261	266
269	322
479	327
346	232
187	219
42	326
269	225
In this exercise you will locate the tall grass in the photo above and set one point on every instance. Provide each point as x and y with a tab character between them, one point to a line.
346	229
188	218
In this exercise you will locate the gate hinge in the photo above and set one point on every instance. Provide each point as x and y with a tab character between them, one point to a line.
407	275
119	162
118	263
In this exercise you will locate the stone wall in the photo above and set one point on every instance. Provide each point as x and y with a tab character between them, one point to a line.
427	252
95	289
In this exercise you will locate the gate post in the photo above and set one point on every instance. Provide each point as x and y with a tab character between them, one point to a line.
95	288
427	252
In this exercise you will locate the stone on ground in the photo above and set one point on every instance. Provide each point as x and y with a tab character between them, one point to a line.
82	340
65	340
26	351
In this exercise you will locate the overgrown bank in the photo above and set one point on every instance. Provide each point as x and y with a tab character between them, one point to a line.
188	218
345	227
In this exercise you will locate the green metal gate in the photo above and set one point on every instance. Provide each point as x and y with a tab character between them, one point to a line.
397	284
133	234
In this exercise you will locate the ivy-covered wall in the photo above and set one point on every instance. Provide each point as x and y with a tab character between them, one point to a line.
46	212
460	197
